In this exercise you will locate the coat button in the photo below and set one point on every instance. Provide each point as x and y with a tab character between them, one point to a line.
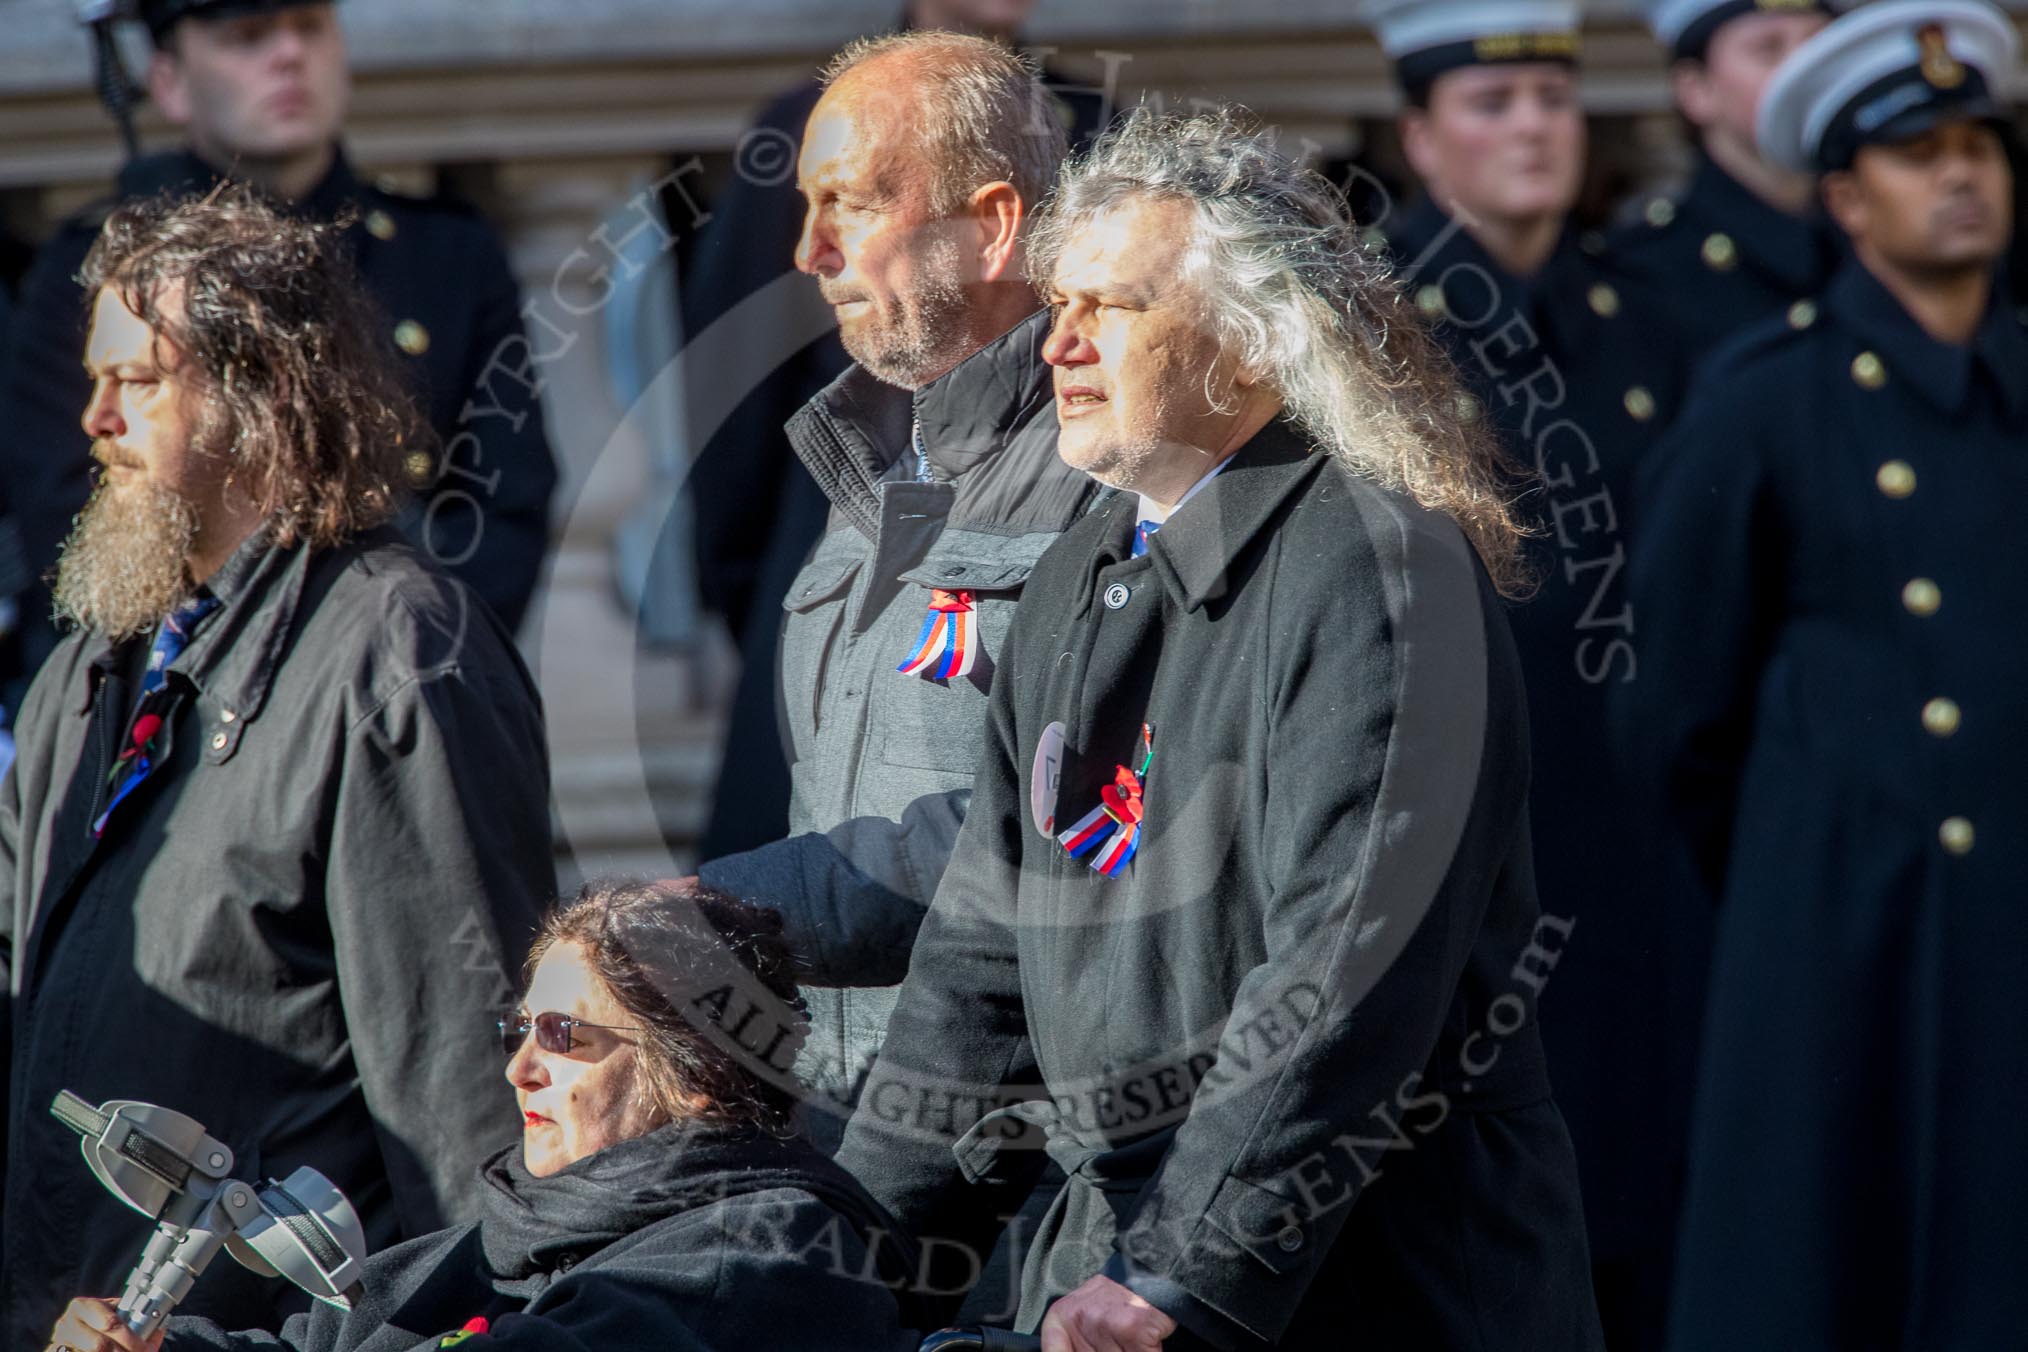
1116	596
1719	252
1802	314
1921	597
1869	371
226	715
1896	478
1289	1239
379	224
1468	408
411	337
1660	211
417	465
1430	300
218	740
1940	717
1957	835
955	570
1640	404
1605	302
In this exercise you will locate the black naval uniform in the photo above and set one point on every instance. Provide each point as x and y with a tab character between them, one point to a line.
1619	1018
1837	714
451	305
1720	259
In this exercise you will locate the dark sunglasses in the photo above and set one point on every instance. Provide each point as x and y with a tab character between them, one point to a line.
552	1031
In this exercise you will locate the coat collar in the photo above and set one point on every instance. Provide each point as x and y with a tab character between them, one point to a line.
1196	547
1796	251
233	656
1941	372
857	431
1428	243
184	171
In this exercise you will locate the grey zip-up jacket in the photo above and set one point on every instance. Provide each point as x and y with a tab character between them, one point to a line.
882	762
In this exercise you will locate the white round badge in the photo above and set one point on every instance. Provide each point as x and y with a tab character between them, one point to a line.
1043	779
1116	596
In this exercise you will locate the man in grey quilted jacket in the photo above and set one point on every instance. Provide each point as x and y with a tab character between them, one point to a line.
920	166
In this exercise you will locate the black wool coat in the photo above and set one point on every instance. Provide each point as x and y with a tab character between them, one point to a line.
1835	725
1578	370
1288	1058
689	1239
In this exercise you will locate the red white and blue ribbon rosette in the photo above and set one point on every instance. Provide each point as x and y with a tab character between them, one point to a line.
949	641
1113	828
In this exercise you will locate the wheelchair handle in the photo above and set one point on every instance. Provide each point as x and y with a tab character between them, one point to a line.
980	1340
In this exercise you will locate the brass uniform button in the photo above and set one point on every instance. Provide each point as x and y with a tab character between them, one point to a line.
1940	717
1869	371
379	224
1896	478
1605	302
1720	253
419	467
1430	299
1660	211
1802	314
1640	404
1921	597
411	337
1957	835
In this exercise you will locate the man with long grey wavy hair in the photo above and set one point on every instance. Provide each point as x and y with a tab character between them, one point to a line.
1241	925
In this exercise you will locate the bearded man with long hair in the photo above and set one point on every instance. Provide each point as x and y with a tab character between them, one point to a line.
279	825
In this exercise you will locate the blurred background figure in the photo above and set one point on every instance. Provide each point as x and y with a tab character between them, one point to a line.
1746	239
260	89
757	511
1574	363
1837	718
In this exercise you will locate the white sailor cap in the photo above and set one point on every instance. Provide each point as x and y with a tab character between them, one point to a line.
1685	26
1425	38
1884	73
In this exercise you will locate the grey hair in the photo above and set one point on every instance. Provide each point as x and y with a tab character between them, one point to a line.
1294	295
981	113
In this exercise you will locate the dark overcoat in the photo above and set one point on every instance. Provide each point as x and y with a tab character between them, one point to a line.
1832	670
1719	259
1288	1057
1578	371
452	315
300	927
688	1239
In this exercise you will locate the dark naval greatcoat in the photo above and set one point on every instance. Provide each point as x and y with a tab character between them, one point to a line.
1579	373
1719	259
1287	1055
1831	574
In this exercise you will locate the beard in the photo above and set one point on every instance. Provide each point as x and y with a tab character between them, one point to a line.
123	567
925	334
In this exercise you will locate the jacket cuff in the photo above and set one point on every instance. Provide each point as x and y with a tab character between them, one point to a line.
773	876
1248	1256
1210	1328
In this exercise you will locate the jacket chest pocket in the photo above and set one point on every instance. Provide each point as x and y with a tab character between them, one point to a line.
924	722
815	614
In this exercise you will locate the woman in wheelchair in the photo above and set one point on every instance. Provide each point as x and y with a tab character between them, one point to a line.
660	1200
